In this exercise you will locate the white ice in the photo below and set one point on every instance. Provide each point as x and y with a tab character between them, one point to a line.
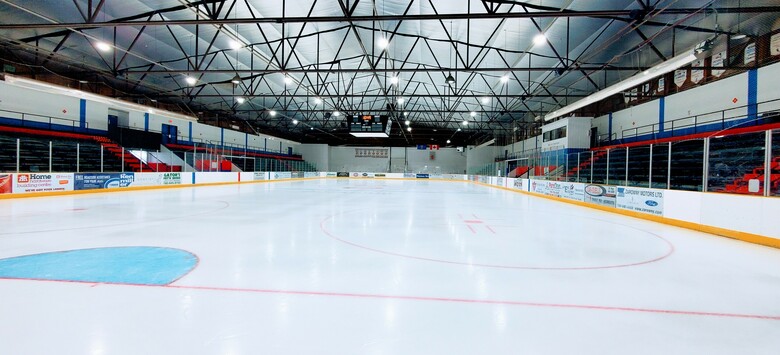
385	267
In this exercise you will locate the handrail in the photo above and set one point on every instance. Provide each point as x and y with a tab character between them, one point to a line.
696	122
50	119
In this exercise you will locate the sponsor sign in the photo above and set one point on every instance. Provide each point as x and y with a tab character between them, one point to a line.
331	174
380	175
408	175
258	175
718	61
554	188
519	184
282	175
697	74
6	183
750	53
500	182
641	200
171	179
146	179
539	187
42	182
422	176
680	76
296	175
573	191
661	84
103	180
309	174
600	195
342	174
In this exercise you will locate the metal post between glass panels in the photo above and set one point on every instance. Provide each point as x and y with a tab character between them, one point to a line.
50	155
18	154
590	181
101	158
606	179
650	174
78	156
626	181
669	164
768	164
705	165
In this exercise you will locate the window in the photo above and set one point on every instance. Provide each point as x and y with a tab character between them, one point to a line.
557	133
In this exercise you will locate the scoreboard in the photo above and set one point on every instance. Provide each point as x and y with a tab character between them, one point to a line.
375	126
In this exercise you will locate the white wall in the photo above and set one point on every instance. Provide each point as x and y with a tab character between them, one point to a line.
633	118
769	88
343	159
712	97
317	154
442	161
38	98
479	157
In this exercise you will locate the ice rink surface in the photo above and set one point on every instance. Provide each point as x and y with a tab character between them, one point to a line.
371	267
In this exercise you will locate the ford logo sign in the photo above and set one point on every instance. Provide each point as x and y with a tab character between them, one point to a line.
651	203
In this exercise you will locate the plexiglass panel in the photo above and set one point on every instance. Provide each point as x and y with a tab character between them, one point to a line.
687	165
639	166
599	165
617	166
775	176
736	164
660	166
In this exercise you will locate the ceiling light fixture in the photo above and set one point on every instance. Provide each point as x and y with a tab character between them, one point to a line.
317	100
458	129
394	80
235	45
485	100
236	80
540	39
406	113
295	121
654	72
505	79
382	43
103	46
400	100
288	80
190	80
450	80
272	113
473	114
409	129
336	114
465	122
407	122
449	141
240	100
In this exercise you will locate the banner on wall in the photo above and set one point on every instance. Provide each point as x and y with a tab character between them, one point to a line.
573	191
42	182
6	183
661	84
750	53
554	188
641	200
147	179
309	174
697	75
259	175
601	195
774	44
422	176
718	61
342	174
103	180
680	76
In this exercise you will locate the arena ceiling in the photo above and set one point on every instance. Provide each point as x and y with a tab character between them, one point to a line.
284	67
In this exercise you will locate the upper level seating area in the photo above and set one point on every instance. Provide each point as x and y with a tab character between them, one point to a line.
67	154
243	159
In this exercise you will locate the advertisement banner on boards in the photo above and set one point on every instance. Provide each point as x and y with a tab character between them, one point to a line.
409	175
601	195
6	183
539	187
103	180
309	174
519	184
641	200
42	182
282	175
342	174
171	179
573	191
554	188
500	182
423	176
259	175
147	179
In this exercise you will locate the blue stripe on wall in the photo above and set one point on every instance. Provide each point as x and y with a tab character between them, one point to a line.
222	137
610	127
752	94
661	113
146	121
246	140
82	113
190	127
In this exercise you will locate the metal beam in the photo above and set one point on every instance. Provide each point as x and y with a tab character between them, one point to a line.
369	18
